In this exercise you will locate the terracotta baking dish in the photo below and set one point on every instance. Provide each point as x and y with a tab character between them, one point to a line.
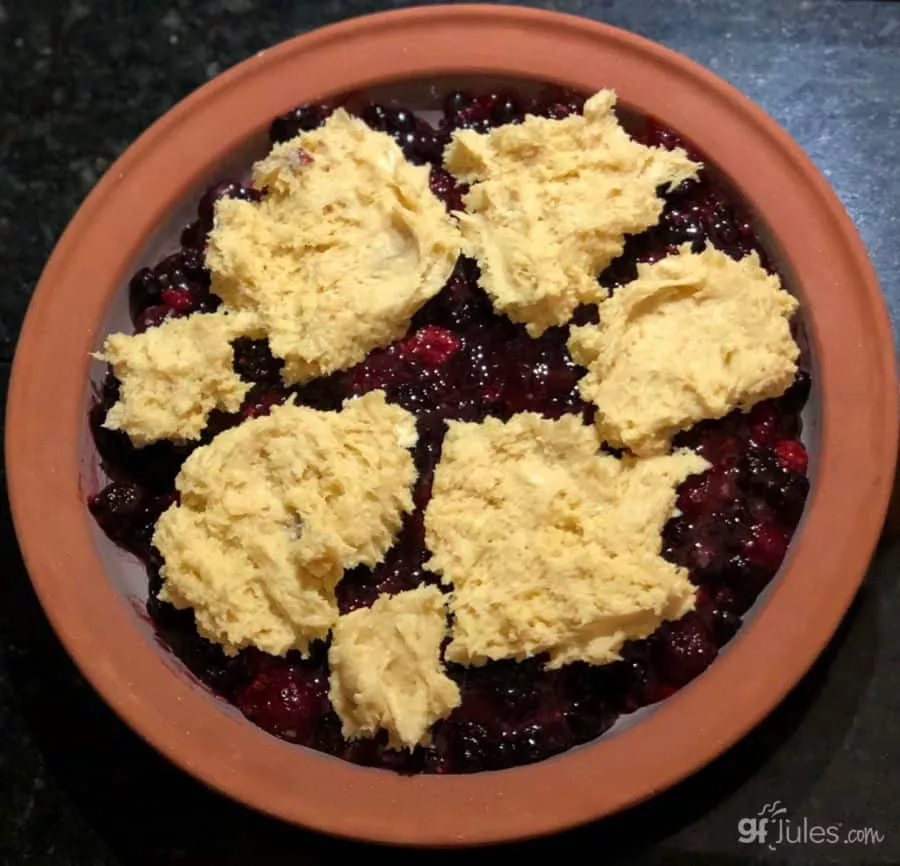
92	594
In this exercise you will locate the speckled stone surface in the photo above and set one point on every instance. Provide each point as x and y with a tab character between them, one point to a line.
79	79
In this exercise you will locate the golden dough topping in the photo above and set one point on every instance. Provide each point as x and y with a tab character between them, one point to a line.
347	243
550	545
386	670
173	375
551	204
274	510
695	336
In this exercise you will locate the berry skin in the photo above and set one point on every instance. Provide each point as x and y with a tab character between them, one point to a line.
792	455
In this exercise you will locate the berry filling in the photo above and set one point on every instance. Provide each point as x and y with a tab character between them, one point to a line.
461	361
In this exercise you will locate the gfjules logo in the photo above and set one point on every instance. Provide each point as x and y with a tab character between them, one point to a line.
773	828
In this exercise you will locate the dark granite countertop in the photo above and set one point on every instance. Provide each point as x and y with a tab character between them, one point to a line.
79	79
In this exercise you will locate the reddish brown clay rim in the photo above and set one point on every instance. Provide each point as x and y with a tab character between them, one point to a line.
851	338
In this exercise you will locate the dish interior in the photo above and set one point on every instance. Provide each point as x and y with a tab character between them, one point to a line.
127	574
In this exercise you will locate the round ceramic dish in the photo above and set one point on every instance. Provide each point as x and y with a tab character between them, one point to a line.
91	593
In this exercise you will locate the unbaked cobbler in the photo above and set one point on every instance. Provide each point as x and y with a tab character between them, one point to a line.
460	360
